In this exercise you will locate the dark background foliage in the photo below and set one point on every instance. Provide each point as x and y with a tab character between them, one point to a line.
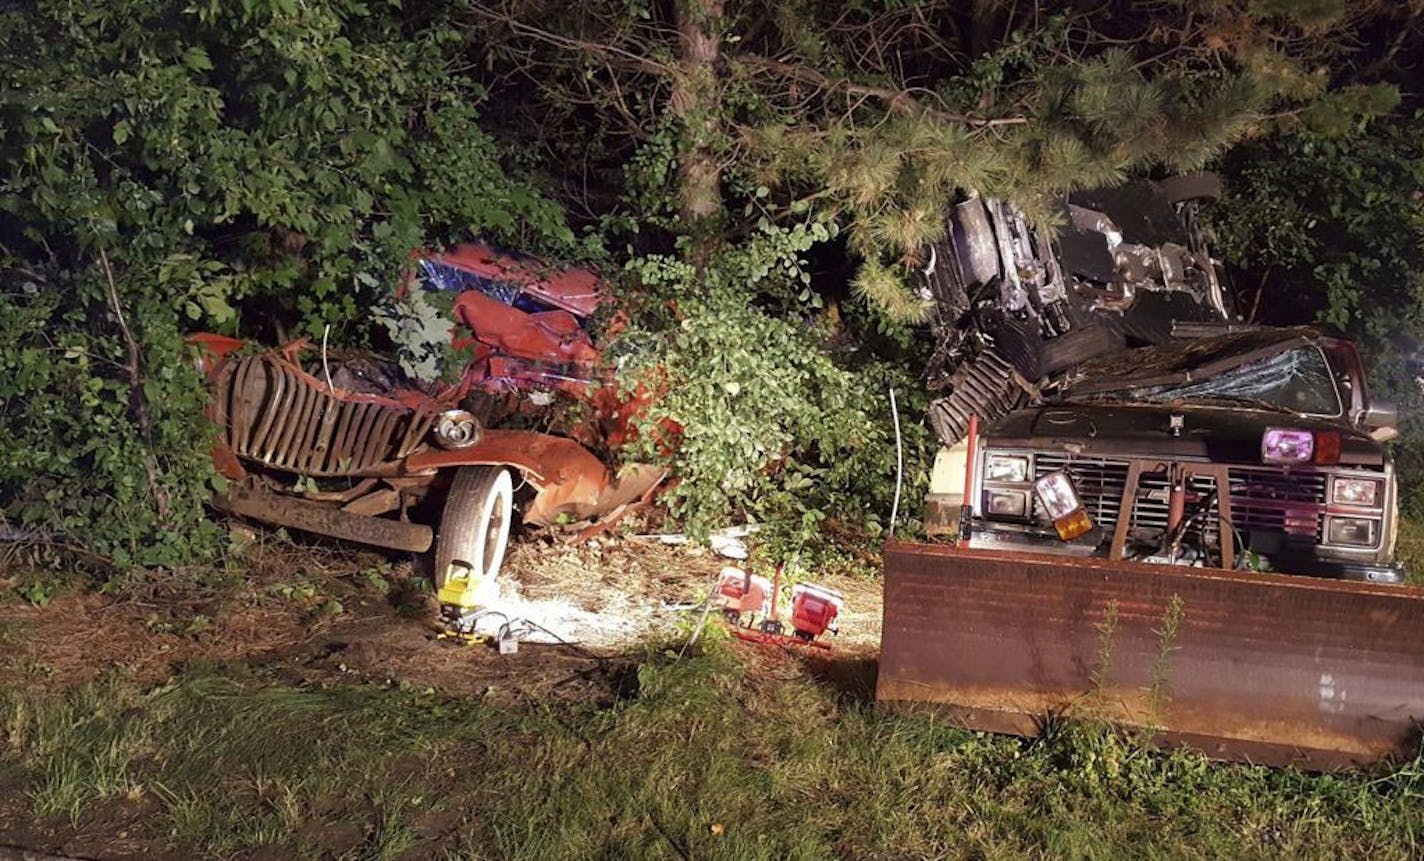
1329	228
262	169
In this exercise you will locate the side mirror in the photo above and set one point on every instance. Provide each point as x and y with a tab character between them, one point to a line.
1381	414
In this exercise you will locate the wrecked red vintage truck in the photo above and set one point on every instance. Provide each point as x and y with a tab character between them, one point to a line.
1136	523
347	445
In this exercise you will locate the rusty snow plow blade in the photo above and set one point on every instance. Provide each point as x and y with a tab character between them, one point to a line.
1261	667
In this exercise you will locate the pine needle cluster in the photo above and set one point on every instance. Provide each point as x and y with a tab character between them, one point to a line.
884	288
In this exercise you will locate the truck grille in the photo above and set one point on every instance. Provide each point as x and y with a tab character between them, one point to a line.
274	413
1262	499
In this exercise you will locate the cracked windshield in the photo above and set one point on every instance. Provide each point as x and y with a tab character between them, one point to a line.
1296	380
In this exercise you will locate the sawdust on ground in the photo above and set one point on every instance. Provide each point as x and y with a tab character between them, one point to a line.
595	608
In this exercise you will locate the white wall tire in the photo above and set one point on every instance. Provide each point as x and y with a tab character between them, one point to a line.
475	525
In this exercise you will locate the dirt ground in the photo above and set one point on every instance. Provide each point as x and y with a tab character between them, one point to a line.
313	616
326	618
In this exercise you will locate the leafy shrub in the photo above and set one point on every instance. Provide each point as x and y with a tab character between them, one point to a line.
1332	227
778	423
166	165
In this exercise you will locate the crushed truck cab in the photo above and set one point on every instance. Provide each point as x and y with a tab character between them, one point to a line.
349	445
1257	450
1135	546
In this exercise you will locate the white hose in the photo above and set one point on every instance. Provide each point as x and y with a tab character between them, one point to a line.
325	369
899	462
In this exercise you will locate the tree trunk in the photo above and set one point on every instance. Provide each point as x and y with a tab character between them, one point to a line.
696	101
985	26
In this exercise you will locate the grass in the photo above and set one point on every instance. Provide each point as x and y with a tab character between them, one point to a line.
707	758
1409	550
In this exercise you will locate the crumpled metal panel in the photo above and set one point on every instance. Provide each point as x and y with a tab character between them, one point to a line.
569	479
1267	668
552	336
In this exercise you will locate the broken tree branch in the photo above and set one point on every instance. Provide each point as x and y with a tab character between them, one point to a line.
137	407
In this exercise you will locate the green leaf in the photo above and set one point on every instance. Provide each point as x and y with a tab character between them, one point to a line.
196	59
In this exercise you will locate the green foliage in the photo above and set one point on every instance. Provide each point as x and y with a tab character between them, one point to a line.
1333	227
776	423
878	115
1058	104
73	457
38	592
1410	549
1333	222
267	157
883	288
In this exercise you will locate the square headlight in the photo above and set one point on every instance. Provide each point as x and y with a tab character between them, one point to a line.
1352	531
1006	467
1005	503
1060	499
1287	445
1056	492
1355	491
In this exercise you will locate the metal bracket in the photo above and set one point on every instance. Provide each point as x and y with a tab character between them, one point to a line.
1219	473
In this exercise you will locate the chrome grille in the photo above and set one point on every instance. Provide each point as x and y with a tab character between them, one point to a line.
1271	500
1262	498
273	413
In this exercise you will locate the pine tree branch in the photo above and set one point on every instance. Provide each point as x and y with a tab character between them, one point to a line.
901	100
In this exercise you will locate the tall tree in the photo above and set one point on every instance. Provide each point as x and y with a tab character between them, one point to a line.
696	103
879	113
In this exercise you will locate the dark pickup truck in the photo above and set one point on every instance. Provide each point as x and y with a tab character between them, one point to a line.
1258	449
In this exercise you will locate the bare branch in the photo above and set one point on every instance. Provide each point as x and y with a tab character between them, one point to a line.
137	407
602	50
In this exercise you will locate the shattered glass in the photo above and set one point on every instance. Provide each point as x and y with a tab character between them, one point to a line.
1297	380
449	279
444	278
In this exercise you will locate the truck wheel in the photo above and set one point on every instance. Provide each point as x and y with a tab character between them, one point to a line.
474	527
1191	194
